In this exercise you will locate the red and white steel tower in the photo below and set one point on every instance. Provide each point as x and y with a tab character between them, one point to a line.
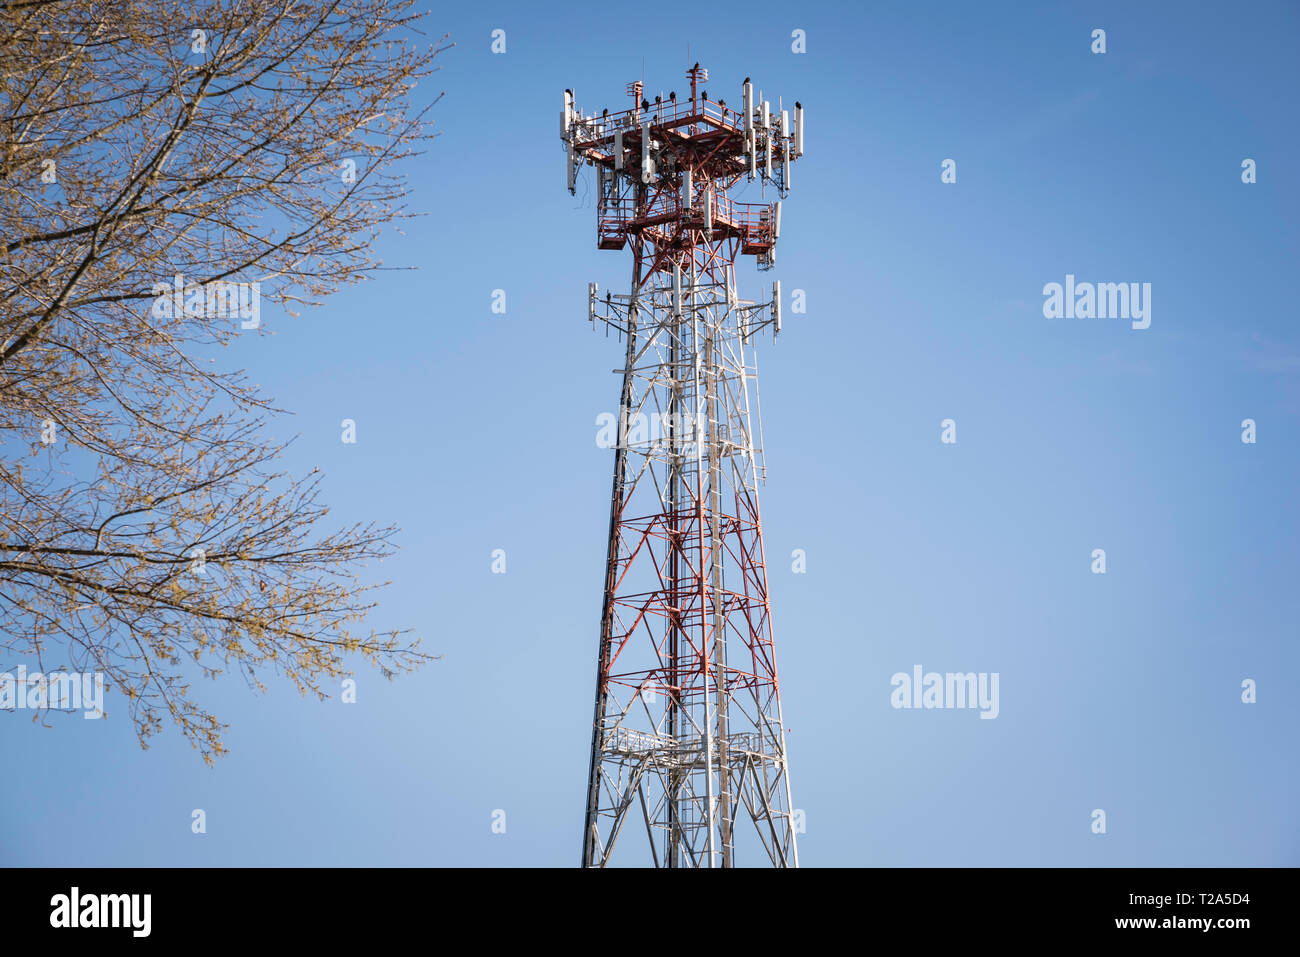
688	746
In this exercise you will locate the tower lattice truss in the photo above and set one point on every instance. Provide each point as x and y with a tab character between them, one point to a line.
688	759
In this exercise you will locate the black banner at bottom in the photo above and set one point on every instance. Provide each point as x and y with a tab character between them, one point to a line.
335	906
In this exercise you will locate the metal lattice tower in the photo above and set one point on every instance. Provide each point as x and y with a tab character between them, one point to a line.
688	746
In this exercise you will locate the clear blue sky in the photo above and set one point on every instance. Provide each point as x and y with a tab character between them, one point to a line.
476	431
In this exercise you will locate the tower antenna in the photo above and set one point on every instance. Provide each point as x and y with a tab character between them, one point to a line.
688	760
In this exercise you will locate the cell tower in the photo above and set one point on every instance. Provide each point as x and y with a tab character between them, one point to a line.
687	742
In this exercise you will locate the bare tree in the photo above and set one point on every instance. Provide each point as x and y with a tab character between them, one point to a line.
168	169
